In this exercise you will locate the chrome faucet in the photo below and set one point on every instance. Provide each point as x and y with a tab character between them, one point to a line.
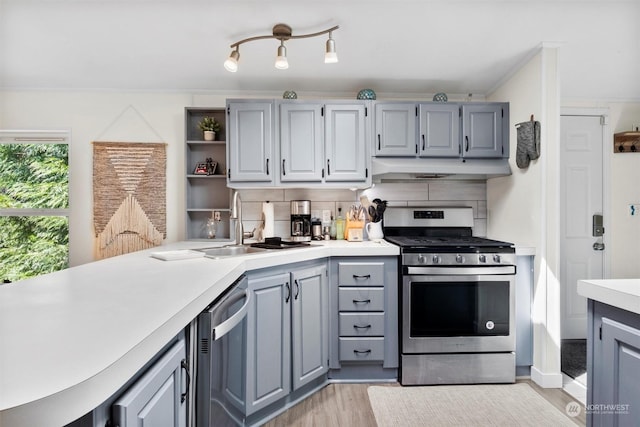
236	219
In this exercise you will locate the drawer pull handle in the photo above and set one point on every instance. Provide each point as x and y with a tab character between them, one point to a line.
358	352
361	301
361	327
356	276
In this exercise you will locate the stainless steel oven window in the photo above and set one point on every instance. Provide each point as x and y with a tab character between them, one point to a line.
458	313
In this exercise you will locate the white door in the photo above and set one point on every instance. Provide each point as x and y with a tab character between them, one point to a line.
581	198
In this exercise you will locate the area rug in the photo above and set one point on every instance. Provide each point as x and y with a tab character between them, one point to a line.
464	405
129	202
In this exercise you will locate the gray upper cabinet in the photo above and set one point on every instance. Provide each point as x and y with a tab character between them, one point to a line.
250	142
395	129
434	129
346	143
483	127
439	134
301	143
311	143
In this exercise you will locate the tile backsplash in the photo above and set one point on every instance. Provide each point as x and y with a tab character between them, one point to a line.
430	193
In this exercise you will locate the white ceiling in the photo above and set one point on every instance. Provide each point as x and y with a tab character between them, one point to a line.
393	46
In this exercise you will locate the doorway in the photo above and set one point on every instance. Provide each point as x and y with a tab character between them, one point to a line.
582	217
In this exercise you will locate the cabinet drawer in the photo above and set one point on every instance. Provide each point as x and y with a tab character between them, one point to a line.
361	299
361	349
361	324
361	274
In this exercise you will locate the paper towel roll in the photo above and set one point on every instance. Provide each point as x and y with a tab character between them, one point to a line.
268	220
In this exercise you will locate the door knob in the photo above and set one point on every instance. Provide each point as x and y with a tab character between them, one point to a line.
598	246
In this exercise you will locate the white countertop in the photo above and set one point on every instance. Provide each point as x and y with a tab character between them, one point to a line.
70	339
621	293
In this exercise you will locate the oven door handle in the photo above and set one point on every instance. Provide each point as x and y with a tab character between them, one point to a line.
461	271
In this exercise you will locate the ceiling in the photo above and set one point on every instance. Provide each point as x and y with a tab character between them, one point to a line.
395	47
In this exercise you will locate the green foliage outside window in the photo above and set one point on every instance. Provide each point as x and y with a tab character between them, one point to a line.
33	177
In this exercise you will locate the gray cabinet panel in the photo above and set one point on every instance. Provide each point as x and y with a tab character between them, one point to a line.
301	142
268	346
155	398
250	136
482	130
310	332
361	349
395	129
621	358
361	274
345	142
361	299
361	324
439	130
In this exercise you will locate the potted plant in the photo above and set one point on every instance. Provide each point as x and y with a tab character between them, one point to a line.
209	126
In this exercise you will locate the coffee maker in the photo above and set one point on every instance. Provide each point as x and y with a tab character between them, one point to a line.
300	220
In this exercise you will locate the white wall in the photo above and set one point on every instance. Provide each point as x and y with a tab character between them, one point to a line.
104	116
523	207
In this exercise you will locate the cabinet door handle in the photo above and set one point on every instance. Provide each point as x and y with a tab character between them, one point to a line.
297	289
361	301
356	276
185	365
288	297
328	167
362	351
423	142
466	140
267	166
284	172
362	327
378	142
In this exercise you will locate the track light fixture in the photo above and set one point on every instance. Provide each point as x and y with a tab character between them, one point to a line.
283	32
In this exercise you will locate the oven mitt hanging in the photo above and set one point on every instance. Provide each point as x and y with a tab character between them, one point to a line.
528	143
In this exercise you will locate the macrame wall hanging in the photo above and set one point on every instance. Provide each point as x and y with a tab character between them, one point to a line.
129	203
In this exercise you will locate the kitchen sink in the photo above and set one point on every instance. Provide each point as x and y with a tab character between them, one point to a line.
227	251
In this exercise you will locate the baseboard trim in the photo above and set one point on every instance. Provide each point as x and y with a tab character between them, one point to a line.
575	388
546	380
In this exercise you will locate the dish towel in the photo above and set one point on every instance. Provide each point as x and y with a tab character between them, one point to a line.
528	143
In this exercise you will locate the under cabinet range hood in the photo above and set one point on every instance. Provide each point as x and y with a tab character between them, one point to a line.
400	169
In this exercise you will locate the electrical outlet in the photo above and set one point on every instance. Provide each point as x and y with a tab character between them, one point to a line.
634	210
635	128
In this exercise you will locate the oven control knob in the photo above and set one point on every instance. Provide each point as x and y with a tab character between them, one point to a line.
436	259
460	259
422	259
482	258
496	258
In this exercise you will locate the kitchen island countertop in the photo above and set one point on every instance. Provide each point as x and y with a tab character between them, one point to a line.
70	339
620	293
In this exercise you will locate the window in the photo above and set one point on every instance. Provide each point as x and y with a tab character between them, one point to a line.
34	203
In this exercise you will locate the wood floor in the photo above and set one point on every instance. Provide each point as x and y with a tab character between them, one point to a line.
348	405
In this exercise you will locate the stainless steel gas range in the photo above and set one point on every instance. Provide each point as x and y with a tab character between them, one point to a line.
457	321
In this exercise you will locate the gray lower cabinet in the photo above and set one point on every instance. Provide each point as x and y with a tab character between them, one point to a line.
364	313
155	399
287	333
613	366
158	395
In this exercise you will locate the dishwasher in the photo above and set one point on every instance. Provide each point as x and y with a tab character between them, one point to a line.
221	348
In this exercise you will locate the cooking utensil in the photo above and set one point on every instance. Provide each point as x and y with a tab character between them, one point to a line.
373	214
